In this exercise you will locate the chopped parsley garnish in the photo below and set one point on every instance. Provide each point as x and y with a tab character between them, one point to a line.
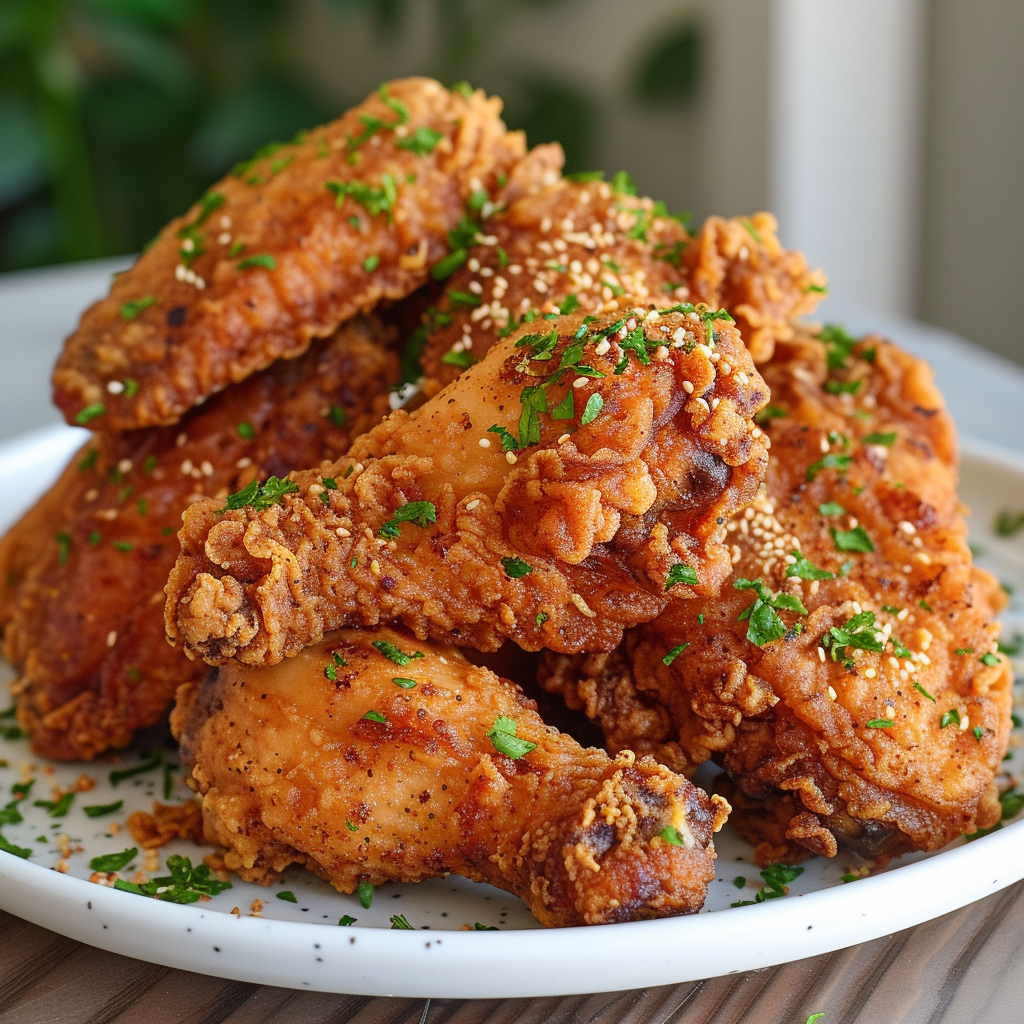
444	268
422	141
839	344
979	732
246	430
336	414
924	693
830	461
856	539
859	632
287	895
365	890
885	439
154	760
462	359
88	460
673	654
1011	648
113	861
345	920
961	651
681	573
373	199
89	413
262	259
831	508
98	810
671	836
184	884
516	567
371	263
595	403
17	851
622	184
422	513
375	716
331	668
739	882
899	648
585	176
568	305
763	622
805	570
1009	523
843	387
57	808
260	496
403	683
776	879
399	921
63	548
351	825
770	412
951	717
503	736
988	658
131	309
540	618
880	723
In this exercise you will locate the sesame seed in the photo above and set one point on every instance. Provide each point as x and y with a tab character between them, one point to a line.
224	238
207	468
470	505
742	378
484	442
473	265
342	532
832	695
545	225
112	638
181	439
821	655
563	438
243	463
687	387
475	287
186	467
124	466
115	387
661	352
375	567
579	382
510	458
756	432
869	673
582	605
602	347
964	723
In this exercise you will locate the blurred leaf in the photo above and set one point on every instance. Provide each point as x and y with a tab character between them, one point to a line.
22	160
552	111
126	111
165	13
147	54
669	71
239	124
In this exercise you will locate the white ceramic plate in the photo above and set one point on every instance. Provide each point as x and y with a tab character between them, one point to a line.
300	944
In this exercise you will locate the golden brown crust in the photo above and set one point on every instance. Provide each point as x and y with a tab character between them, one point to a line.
598	512
292	771
85	570
611	250
213	320
800	733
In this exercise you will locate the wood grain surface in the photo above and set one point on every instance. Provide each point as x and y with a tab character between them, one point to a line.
963	968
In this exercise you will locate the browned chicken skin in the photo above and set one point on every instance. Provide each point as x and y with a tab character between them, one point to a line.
283	250
825	744
366	770
587	246
83	573
643	453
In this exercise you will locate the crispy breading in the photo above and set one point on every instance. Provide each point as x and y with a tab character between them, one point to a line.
588	246
85	570
368	770
630	451
286	248
826	744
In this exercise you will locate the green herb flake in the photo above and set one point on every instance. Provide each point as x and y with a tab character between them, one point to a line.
113	861
880	723
287	895
681	573
843	387
595	403
246	430
57	808
264	260
371	263
540	618
365	890
764	623
776	878
422	141
131	309
884	439
856	539
516	568
831	461
345	920
337	415
951	717
673	654
990	659
422	513
770	412
924	693
403	683
961	651
1008	524
979	732
185	883
154	760
63	548
259	496
399	921
503	736
122	545
463	358
671	836
89	413
805	570
17	851
99	810
831	508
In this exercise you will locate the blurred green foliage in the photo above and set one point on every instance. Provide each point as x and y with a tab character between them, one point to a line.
116	114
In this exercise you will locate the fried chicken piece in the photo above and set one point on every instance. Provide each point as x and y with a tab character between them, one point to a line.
84	611
878	720
364	769
630	451
283	250
587	246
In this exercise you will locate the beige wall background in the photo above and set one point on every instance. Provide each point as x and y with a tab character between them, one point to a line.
905	172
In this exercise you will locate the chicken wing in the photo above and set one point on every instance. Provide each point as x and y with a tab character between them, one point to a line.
595	247
284	249
552	495
85	569
847	681
372	757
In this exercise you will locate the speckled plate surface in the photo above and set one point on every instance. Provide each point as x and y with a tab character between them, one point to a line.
300	944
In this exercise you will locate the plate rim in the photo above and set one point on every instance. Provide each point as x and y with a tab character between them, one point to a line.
507	964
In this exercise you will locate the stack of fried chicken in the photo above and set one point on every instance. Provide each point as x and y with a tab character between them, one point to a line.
729	535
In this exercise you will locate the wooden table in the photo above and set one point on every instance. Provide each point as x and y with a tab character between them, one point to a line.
962	968
967	966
